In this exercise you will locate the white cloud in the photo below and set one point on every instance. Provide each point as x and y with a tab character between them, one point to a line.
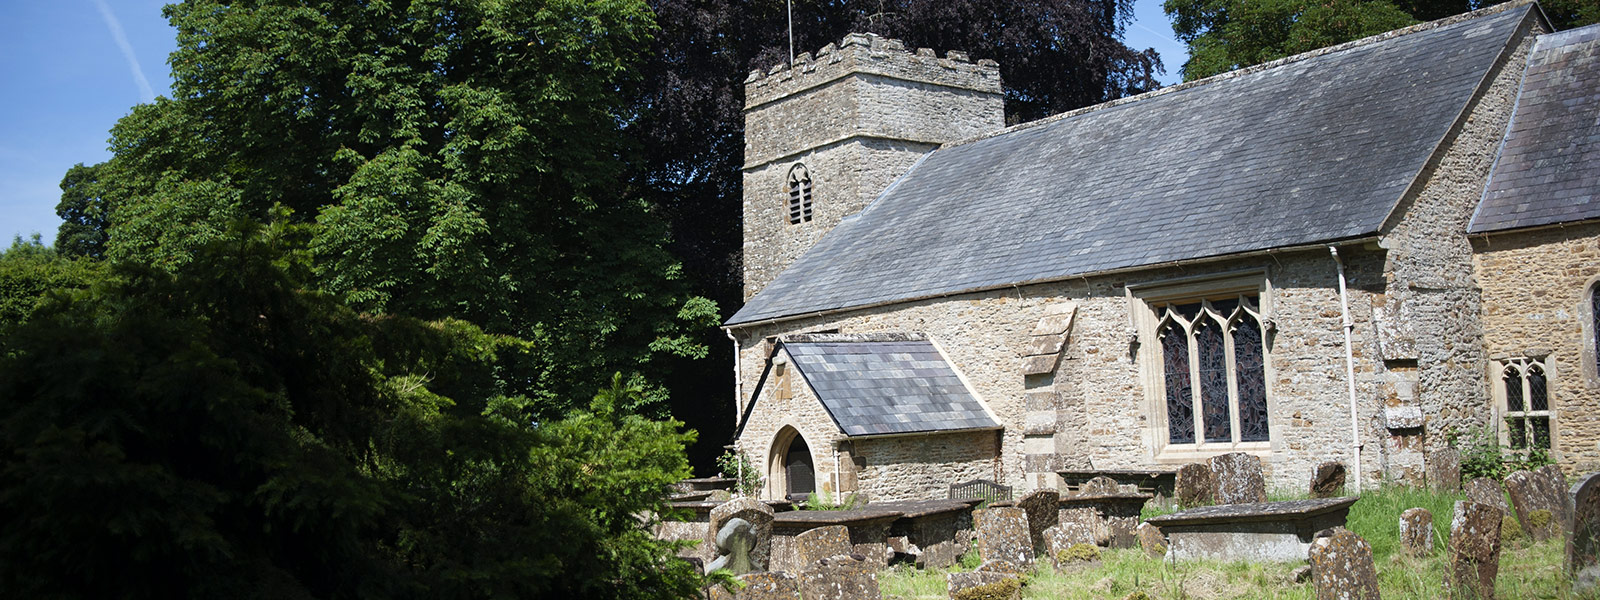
145	93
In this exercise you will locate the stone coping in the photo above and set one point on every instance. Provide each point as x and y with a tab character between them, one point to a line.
1291	510
819	518
1114	473
916	509
708	481
705	506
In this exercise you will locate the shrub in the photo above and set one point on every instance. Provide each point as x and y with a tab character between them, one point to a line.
747	478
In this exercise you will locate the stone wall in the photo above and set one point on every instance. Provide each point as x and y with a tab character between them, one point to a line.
1434	356
802	411
1536	303
923	466
1103	412
858	115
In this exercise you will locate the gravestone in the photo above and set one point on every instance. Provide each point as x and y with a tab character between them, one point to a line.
1474	551
1416	532
1327	480
1238	478
822	542
1064	536
1540	502
1003	535
1194	485
758	516
1444	469
734	543
1151	541
984	584
761	586
1484	490
1555	474
1100	486
840	578
1583	546
1262	531
1341	566
1042	507
1081	524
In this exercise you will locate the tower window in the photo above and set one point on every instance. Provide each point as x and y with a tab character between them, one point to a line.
799	195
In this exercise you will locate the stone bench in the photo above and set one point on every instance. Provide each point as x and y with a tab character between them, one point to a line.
933	532
1260	531
1110	518
869	534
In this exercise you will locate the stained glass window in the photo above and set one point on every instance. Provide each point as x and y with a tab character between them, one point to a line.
1250	371
1525	390
1180	402
1213	361
1212	349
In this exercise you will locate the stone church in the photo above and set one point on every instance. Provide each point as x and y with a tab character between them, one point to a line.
1362	254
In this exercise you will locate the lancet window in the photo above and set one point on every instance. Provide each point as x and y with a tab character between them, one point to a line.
800	202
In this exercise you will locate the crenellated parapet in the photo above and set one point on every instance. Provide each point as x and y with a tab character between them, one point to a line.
870	54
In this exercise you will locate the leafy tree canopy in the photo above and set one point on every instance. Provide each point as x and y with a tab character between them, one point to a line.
83	212
219	430
30	270
1224	35
459	158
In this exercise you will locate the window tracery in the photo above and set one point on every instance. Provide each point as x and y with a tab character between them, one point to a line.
1219	345
1524	390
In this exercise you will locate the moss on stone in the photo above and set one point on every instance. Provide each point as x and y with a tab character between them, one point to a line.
1078	553
1136	595
997	590
1510	529
1538	519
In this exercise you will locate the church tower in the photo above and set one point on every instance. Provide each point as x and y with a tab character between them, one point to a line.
825	136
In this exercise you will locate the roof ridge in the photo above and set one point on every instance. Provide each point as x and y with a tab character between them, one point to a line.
1250	70
815	338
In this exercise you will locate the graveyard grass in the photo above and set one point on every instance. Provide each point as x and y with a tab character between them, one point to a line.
1527	570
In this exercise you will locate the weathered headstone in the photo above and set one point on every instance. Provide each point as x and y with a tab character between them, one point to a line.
1474	551
816	544
1003	535
1100	486
1341	566
758	537
1540	502
1042	507
1555	474
1444	469
1327	480
1416	532
1064	536
1151	541
984	584
1194	485
761	586
1238	478
1583	546
1000	566
734	543
1484	490
840	578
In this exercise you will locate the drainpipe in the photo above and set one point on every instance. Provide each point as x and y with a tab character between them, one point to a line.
838	492
1349	367
738	378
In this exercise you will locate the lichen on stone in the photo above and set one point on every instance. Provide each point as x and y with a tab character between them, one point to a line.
997	590
1078	553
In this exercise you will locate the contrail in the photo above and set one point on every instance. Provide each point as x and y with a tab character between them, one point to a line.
1158	34
146	94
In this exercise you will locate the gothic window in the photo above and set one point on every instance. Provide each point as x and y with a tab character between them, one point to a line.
1524	390
1594	322
1213	370
799	204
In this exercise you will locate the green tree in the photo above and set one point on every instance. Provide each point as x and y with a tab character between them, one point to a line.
219	430
460	159
1224	35
83	212
30	270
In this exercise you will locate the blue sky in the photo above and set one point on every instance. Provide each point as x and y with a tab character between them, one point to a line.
76	66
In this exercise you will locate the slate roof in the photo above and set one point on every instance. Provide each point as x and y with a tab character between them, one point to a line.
887	387
1548	170
1311	149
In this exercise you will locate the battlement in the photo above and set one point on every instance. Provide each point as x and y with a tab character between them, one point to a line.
866	53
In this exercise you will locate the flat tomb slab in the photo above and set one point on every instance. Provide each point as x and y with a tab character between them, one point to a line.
1258	531
1158	481
869	534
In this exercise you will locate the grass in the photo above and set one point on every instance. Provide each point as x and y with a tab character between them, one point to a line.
1527	570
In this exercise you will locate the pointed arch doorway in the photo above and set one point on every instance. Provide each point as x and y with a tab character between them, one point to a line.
791	472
